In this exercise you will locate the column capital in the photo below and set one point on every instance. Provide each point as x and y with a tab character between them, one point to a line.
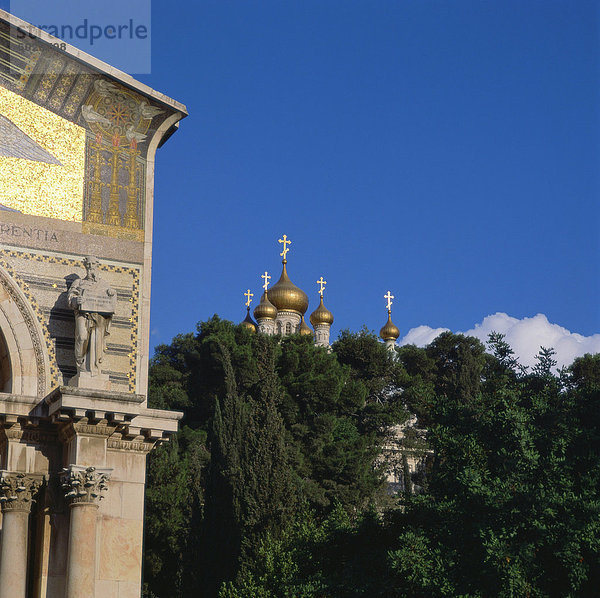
84	484
17	490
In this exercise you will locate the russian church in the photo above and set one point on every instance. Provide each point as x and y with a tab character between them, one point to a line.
281	311
282	308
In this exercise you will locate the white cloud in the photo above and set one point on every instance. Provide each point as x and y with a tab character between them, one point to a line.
524	336
421	335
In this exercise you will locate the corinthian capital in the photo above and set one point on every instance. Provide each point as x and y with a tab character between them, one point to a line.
84	484
17	490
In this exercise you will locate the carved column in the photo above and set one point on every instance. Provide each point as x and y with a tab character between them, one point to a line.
16	496
84	488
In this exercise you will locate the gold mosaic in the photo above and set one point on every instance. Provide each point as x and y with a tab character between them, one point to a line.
42	160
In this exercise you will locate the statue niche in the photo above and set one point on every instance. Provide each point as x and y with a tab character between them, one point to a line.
93	302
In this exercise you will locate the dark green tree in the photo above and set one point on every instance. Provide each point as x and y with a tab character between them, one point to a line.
285	424
512	502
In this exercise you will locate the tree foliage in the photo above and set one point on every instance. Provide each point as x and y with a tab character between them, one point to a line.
292	502
285	426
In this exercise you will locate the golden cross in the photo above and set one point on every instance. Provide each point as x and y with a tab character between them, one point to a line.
266	277
389	298
249	295
322	284
285	242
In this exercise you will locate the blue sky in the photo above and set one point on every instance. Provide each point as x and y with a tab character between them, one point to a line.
447	151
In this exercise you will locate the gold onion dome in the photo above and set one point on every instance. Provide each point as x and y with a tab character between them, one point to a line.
304	329
285	295
390	331
265	310
248	322
321	315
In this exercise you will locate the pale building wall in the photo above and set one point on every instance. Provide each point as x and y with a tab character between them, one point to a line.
287	322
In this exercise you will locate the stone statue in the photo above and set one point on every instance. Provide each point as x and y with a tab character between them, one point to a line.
94	303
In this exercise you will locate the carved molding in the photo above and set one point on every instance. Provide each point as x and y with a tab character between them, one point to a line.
84	484
70	429
17	490
8	283
138	446
94	429
39	437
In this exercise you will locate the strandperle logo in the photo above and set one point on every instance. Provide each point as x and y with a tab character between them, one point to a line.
117	32
90	32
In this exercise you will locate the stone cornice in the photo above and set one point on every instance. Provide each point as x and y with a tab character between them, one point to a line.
72	403
72	410
68	430
125	397
22	431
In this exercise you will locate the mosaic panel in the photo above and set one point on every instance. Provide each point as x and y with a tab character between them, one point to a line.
17	59
118	122
42	161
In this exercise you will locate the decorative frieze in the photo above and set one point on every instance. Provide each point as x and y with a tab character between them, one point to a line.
138	446
17	490
84	484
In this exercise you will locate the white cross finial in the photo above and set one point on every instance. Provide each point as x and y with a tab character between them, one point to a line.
389	298
285	242
266	277
249	295
321	284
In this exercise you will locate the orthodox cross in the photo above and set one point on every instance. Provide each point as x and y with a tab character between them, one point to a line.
249	295
321	284
266	277
389	298
285	242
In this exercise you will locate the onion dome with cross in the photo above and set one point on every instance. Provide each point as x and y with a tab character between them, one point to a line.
390	332
265	310
321	315
248	322
284	294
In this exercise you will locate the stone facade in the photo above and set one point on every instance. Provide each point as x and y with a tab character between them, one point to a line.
78	141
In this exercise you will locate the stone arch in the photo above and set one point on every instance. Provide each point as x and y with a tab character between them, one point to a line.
5	367
23	340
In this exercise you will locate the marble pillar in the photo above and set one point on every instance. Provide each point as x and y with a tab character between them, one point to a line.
17	491
84	488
